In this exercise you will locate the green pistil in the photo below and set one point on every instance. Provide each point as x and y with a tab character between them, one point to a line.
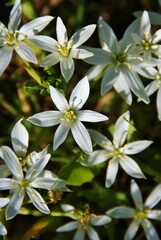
64	48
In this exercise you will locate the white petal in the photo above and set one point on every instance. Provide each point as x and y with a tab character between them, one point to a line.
81	136
60	135
132	230
68	227
79	235
101	140
121	129
4	171
80	53
15	16
14	205
46	119
96	157
92	234
26	52
82	35
7	184
149	230
145	25
5	56
58	99
154	214
131	167
100	220
159	104
3	230
61	31
136	147
19	139
35	26
44	42
47	183
11	161
153	198
111	173
67	68
37	200
157	36
100	56
91	116
79	94
67	208
3	202
94	71
109	79
121	212
51	59
151	88
136	195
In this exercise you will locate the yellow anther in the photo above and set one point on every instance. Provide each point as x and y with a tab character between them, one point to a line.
64	48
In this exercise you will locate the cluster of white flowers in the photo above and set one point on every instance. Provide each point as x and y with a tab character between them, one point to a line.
122	64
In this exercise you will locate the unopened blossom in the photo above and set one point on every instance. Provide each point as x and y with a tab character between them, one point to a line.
69	116
64	50
26	173
12	38
119	62
83	222
3	202
117	152
141	214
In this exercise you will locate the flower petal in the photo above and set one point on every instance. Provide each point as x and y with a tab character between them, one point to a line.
7	184
92	234
136	195
67	68
136	147
132	230
91	116
3	202
44	42
153	198
58	99
3	230
159	104
80	94
5	56
46	119
131	167
121	129
95	71
14	205
150	231
145	25
79	235
61	31
100	220
111	173
82	35
154	214
68	227
26	52
51	59
19	139
47	183
37	200
109	79
35	26
81	136
11	161
60	135
97	157
99	57
15	16
80	53
101	140
121	212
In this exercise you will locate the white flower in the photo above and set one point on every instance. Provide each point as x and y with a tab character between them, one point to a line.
83	221
141	214
64	50
118	62
3	202
26	179
69	116
116	152
13	39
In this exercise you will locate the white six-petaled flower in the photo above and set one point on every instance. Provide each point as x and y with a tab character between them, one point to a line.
25	179
70	116
64	50
83	222
116	152
13	39
141	214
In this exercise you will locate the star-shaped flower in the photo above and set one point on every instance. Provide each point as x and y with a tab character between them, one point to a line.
116	152
83	222
70	116
25	179
13	39
141	214
64	50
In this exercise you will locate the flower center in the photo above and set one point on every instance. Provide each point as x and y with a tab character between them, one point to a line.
142	214
69	117
147	43
24	183
64	48
116	152
84	217
11	39
121	58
